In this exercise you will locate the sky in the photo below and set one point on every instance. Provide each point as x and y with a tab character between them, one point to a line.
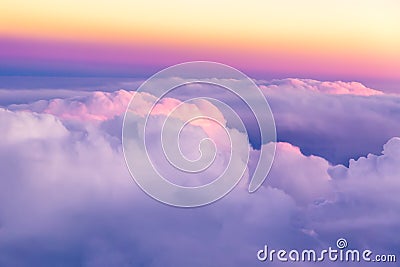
341	40
329	71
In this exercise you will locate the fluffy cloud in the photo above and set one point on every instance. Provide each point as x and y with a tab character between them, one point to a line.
303	178
98	106
66	197
71	195
333	88
27	126
366	204
338	120
335	127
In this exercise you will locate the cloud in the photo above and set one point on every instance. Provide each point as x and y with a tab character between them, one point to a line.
366	201
73	195
335	127
65	187
27	126
304	178
337	120
28	89
331	88
96	106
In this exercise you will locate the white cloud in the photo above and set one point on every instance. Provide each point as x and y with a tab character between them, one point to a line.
332	88
64	185
303	178
27	126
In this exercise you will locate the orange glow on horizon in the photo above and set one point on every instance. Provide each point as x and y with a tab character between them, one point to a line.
363	35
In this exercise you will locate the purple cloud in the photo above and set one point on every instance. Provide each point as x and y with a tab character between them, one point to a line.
67	199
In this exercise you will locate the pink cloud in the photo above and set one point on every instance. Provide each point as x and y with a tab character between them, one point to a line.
69	190
333	88
99	106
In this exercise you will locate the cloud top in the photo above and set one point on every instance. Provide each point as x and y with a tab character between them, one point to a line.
64	184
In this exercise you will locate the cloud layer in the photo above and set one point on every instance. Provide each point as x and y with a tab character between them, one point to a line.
67	199
332	88
336	127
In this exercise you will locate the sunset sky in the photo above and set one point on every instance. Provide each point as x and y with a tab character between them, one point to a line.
339	40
